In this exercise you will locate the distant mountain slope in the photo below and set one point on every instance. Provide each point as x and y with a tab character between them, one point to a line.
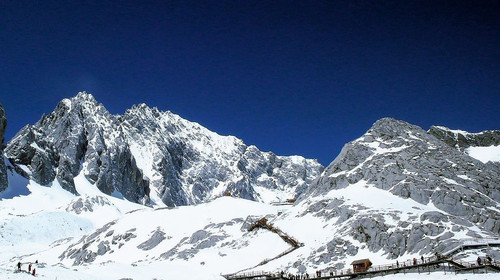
147	155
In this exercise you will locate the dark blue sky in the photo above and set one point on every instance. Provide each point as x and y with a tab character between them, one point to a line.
292	77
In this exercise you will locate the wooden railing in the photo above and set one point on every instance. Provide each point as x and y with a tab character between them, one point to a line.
434	262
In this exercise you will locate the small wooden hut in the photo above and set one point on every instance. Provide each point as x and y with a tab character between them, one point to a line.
361	265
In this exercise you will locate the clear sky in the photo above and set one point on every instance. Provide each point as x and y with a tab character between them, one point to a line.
292	77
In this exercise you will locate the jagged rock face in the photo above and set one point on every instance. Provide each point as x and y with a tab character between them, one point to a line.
451	193
57	145
87	204
465	142
3	125
3	169
147	154
462	139
190	162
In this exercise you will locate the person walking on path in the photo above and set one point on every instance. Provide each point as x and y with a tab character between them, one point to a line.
29	268
33	271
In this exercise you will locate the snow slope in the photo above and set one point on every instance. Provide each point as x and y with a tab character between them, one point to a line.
102	237
203	240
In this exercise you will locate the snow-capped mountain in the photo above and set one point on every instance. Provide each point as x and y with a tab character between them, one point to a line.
147	155
397	192
394	192
411	163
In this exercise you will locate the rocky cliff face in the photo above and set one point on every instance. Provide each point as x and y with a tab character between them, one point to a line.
146	154
3	169
462	139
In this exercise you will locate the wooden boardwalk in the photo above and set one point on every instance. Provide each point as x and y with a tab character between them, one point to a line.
421	267
435	263
473	244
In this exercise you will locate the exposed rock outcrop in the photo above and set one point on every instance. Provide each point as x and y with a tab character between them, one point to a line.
462	139
3	169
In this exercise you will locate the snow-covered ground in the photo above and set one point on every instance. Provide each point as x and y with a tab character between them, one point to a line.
43	224
485	154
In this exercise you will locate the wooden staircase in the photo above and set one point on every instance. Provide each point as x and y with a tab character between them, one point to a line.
263	223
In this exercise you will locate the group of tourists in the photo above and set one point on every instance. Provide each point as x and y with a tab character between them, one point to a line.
304	275
408	264
487	261
294	277
32	272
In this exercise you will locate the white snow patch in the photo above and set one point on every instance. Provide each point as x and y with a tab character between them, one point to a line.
35	145
451	181
364	194
465	177
484	154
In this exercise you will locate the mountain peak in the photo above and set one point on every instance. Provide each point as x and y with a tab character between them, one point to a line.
81	99
391	127
83	95
143	107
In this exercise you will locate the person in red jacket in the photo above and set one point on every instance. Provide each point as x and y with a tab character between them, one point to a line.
29	268
33	271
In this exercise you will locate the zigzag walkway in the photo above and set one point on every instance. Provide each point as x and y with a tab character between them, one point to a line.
262	223
434	263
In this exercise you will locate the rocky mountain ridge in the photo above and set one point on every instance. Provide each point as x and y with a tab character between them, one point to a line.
462	139
397	190
149	156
